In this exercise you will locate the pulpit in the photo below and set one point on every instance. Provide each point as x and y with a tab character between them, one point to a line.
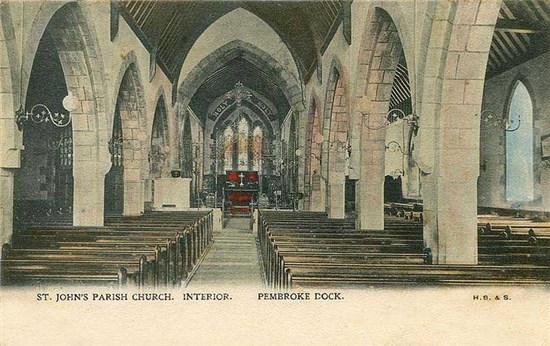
240	191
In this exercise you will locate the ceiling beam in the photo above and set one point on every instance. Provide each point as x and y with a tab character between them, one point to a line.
115	12
516	26
346	13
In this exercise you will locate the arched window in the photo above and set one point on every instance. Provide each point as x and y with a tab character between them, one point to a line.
243	144
519	147
257	136
228	149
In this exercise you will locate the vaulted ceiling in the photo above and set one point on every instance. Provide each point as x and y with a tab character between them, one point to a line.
172	27
522	32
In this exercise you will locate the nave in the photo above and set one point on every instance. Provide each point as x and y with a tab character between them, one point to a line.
368	146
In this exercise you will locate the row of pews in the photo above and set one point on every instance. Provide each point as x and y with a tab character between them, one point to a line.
407	211
306	249
155	249
506	227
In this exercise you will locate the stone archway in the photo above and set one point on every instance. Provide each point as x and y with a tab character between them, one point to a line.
290	86
379	58
159	150
453	78
78	50
10	138
130	109
312	167
335	127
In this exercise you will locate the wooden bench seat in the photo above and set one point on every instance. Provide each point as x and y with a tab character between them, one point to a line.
321	252
144	250
298	274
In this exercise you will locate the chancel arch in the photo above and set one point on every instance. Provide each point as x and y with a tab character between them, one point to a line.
243	126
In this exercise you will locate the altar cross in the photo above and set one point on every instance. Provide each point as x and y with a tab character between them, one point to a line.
241	176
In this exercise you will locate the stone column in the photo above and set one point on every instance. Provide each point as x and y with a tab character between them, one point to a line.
336	193
450	219
89	168
317	196
148	192
6	205
370	186
133	192
88	192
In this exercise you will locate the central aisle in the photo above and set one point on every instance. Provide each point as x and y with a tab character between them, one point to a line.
232	259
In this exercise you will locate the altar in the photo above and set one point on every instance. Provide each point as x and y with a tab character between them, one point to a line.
240	192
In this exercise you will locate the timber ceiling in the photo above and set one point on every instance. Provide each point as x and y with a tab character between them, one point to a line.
172	27
224	80
522	33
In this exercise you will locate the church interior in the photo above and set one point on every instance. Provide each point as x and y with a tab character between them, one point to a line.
282	144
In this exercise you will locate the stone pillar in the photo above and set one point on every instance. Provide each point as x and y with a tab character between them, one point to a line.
336	194
370	187
148	193
88	192
450	220
6	205
134	187
317	202
133	197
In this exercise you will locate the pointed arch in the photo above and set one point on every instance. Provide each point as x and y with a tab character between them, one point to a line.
75	36
130	112
335	123
312	153
290	86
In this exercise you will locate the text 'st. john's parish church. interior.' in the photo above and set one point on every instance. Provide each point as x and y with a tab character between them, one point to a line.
287	144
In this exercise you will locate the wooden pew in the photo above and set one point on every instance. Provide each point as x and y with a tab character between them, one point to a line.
142	253
317	246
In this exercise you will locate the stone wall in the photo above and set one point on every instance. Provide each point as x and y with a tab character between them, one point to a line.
496	94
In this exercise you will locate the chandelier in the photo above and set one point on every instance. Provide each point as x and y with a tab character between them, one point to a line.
40	113
492	119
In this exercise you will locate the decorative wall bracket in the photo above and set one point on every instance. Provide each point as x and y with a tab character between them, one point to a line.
40	113
392	116
492	119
